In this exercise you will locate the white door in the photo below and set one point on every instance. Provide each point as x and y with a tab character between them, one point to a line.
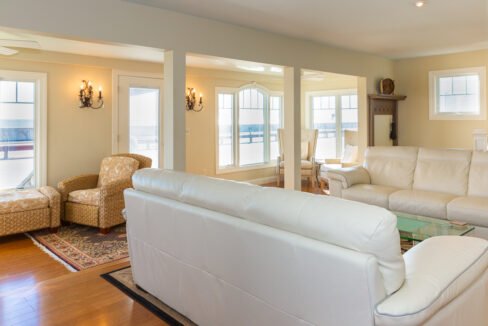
140	104
22	129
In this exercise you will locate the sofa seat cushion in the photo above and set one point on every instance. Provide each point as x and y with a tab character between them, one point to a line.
369	194
12	201
304	164
116	168
473	210
85	196
433	281
419	202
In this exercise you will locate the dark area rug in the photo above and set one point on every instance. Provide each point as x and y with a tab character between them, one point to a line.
83	247
122	279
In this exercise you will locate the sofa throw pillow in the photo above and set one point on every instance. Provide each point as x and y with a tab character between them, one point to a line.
350	154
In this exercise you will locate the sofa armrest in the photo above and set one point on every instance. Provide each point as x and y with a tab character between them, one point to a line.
438	270
349	176
54	204
85	181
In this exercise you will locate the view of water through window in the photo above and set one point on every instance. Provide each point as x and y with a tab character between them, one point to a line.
17	134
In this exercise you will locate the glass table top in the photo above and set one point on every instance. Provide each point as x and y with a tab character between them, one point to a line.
419	228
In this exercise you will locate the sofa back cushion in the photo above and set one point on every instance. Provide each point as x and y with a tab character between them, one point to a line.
351	225
392	166
442	170
478	175
116	168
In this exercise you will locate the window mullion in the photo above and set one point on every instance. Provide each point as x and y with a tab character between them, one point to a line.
338	126
236	129
266	128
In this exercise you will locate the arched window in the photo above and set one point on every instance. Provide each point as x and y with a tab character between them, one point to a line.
248	120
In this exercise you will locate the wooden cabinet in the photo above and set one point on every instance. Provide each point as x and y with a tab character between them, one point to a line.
383	119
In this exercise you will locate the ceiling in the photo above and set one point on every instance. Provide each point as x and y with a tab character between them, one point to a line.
146	54
390	28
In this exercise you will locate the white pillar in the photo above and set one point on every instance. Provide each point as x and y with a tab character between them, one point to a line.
174	142
292	128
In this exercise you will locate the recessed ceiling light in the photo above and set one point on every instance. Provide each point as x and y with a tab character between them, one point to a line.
420	3
276	69
249	68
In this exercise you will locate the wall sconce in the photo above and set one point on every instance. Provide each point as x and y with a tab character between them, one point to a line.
86	95
191	101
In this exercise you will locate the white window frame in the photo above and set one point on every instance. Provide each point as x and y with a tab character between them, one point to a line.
433	94
235	91
337	93
40	119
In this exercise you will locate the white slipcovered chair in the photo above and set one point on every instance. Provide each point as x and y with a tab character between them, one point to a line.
308	147
349	157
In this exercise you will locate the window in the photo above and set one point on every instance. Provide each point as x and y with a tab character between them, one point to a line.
331	113
457	94
22	129
247	121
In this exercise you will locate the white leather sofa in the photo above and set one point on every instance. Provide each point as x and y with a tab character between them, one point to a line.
440	183
228	253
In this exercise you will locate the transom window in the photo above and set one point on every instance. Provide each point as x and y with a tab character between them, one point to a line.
248	122
332	112
457	94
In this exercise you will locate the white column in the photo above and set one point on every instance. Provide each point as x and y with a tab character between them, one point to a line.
292	128
174	141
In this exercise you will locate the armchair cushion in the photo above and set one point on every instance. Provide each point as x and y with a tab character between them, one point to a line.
115	168
304	164
85	196
438	270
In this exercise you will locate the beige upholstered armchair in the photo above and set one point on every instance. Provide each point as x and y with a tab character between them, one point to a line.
308	146
97	199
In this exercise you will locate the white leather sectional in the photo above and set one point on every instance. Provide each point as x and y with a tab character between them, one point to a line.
440	183
229	253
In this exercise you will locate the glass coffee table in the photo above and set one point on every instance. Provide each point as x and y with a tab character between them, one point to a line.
414	229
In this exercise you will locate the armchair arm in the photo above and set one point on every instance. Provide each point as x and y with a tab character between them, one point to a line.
438	270
85	181
112	202
115	188
349	176
54	204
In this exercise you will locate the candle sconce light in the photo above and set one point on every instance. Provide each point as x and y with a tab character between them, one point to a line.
86	96
191	101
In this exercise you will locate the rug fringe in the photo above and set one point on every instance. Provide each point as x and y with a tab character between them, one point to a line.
51	254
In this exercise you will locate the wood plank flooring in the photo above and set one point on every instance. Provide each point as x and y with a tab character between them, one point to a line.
37	290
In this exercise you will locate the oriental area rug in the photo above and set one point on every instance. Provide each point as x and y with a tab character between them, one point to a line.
80	247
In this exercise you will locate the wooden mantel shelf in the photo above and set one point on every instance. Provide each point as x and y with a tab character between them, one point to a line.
387	97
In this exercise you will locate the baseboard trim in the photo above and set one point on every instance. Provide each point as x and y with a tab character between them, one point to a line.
262	181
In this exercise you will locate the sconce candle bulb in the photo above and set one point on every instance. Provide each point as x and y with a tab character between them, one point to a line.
191	101
86	96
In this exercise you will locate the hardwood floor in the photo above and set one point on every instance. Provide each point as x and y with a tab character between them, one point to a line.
37	290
